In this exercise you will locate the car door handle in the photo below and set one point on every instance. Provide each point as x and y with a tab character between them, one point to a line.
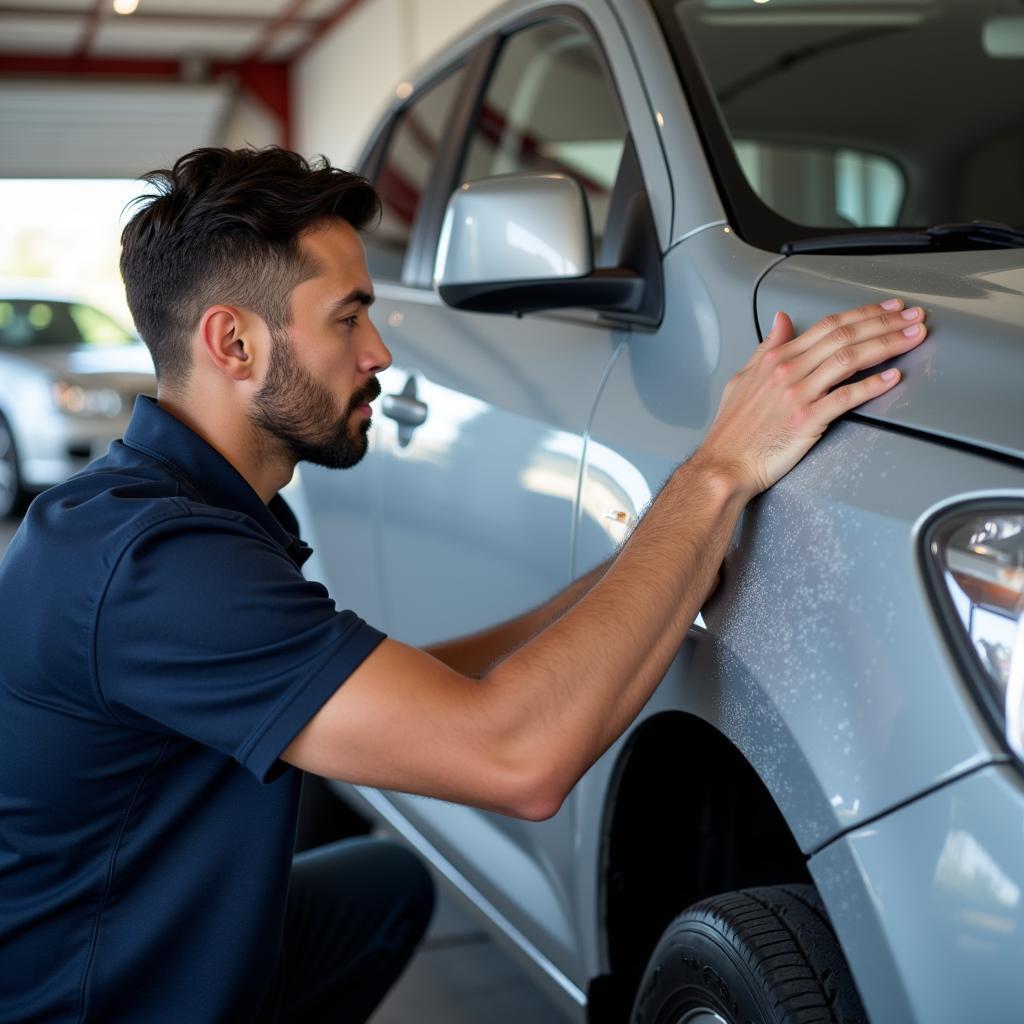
410	412
406	409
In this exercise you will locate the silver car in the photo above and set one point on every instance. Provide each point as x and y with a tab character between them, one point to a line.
69	375
819	816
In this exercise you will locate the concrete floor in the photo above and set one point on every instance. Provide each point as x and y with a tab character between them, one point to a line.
459	975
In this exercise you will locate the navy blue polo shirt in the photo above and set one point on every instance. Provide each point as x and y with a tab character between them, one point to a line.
160	649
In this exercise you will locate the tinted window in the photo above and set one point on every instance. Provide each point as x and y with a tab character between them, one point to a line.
34	322
824	185
867	114
550	108
405	173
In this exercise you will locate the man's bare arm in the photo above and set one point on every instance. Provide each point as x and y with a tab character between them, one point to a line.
474	653
517	739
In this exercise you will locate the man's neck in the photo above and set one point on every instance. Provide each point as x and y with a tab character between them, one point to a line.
264	467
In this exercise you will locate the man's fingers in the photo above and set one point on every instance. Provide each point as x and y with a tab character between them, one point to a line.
846	360
781	331
837	346
849	396
776	407
851	317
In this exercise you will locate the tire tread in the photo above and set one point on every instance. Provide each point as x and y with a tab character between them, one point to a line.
784	938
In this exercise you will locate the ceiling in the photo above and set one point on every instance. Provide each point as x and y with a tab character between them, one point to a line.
87	92
216	30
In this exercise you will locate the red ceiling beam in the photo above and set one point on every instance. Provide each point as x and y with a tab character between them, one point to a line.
268	82
94	16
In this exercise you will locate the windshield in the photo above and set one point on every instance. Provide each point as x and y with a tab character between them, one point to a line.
856	114
32	323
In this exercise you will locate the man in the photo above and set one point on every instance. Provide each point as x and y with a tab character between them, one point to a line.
166	666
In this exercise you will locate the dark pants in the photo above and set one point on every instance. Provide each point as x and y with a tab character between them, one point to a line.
356	911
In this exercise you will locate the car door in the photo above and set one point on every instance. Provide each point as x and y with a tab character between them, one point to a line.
476	478
338	510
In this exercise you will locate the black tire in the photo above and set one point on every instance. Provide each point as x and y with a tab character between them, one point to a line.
12	496
759	956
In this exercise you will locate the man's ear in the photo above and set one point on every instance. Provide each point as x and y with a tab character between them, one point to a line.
222	338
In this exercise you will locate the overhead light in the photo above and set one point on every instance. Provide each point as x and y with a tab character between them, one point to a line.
125	6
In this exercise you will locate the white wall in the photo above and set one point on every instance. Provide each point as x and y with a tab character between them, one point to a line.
249	123
435	23
340	87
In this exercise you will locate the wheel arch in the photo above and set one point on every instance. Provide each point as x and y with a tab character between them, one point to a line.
686	817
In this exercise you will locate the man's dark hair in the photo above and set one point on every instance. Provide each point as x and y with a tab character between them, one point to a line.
224	226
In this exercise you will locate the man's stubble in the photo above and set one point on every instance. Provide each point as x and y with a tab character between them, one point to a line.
294	411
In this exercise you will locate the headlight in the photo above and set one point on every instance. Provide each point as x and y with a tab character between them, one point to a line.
81	401
979	556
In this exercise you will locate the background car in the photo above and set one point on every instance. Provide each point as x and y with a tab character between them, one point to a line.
69	375
818	814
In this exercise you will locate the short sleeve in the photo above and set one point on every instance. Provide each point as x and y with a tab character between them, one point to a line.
209	630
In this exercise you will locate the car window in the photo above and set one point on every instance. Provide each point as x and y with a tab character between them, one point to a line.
550	107
904	113
31	323
821	185
404	172
97	329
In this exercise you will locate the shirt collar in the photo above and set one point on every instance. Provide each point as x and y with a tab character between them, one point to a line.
161	435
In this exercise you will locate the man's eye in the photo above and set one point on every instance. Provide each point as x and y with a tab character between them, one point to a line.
351	321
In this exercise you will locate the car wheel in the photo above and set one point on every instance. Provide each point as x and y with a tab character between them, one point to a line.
10	478
759	956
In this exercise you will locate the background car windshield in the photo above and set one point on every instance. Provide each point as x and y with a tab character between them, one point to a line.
864	114
31	323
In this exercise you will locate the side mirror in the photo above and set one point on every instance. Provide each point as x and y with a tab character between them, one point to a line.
520	243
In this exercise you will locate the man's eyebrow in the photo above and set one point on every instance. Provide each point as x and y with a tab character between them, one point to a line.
357	295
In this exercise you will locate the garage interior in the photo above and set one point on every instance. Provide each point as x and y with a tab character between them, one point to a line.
596	215
109	89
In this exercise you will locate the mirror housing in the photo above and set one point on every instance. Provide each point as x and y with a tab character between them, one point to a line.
521	243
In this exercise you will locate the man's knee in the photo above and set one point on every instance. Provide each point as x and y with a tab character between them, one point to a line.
367	882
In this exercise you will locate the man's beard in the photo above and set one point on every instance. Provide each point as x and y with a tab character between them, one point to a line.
299	413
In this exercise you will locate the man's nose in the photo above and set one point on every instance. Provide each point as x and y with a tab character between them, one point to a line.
378	355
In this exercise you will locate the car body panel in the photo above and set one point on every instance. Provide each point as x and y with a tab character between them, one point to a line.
824	564
821	658
565	994
964	384
840	521
524	388
935	888
497	458
51	444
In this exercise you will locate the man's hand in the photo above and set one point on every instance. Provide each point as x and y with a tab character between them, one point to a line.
779	404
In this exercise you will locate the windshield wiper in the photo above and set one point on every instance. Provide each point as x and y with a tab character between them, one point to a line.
987	233
975	234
